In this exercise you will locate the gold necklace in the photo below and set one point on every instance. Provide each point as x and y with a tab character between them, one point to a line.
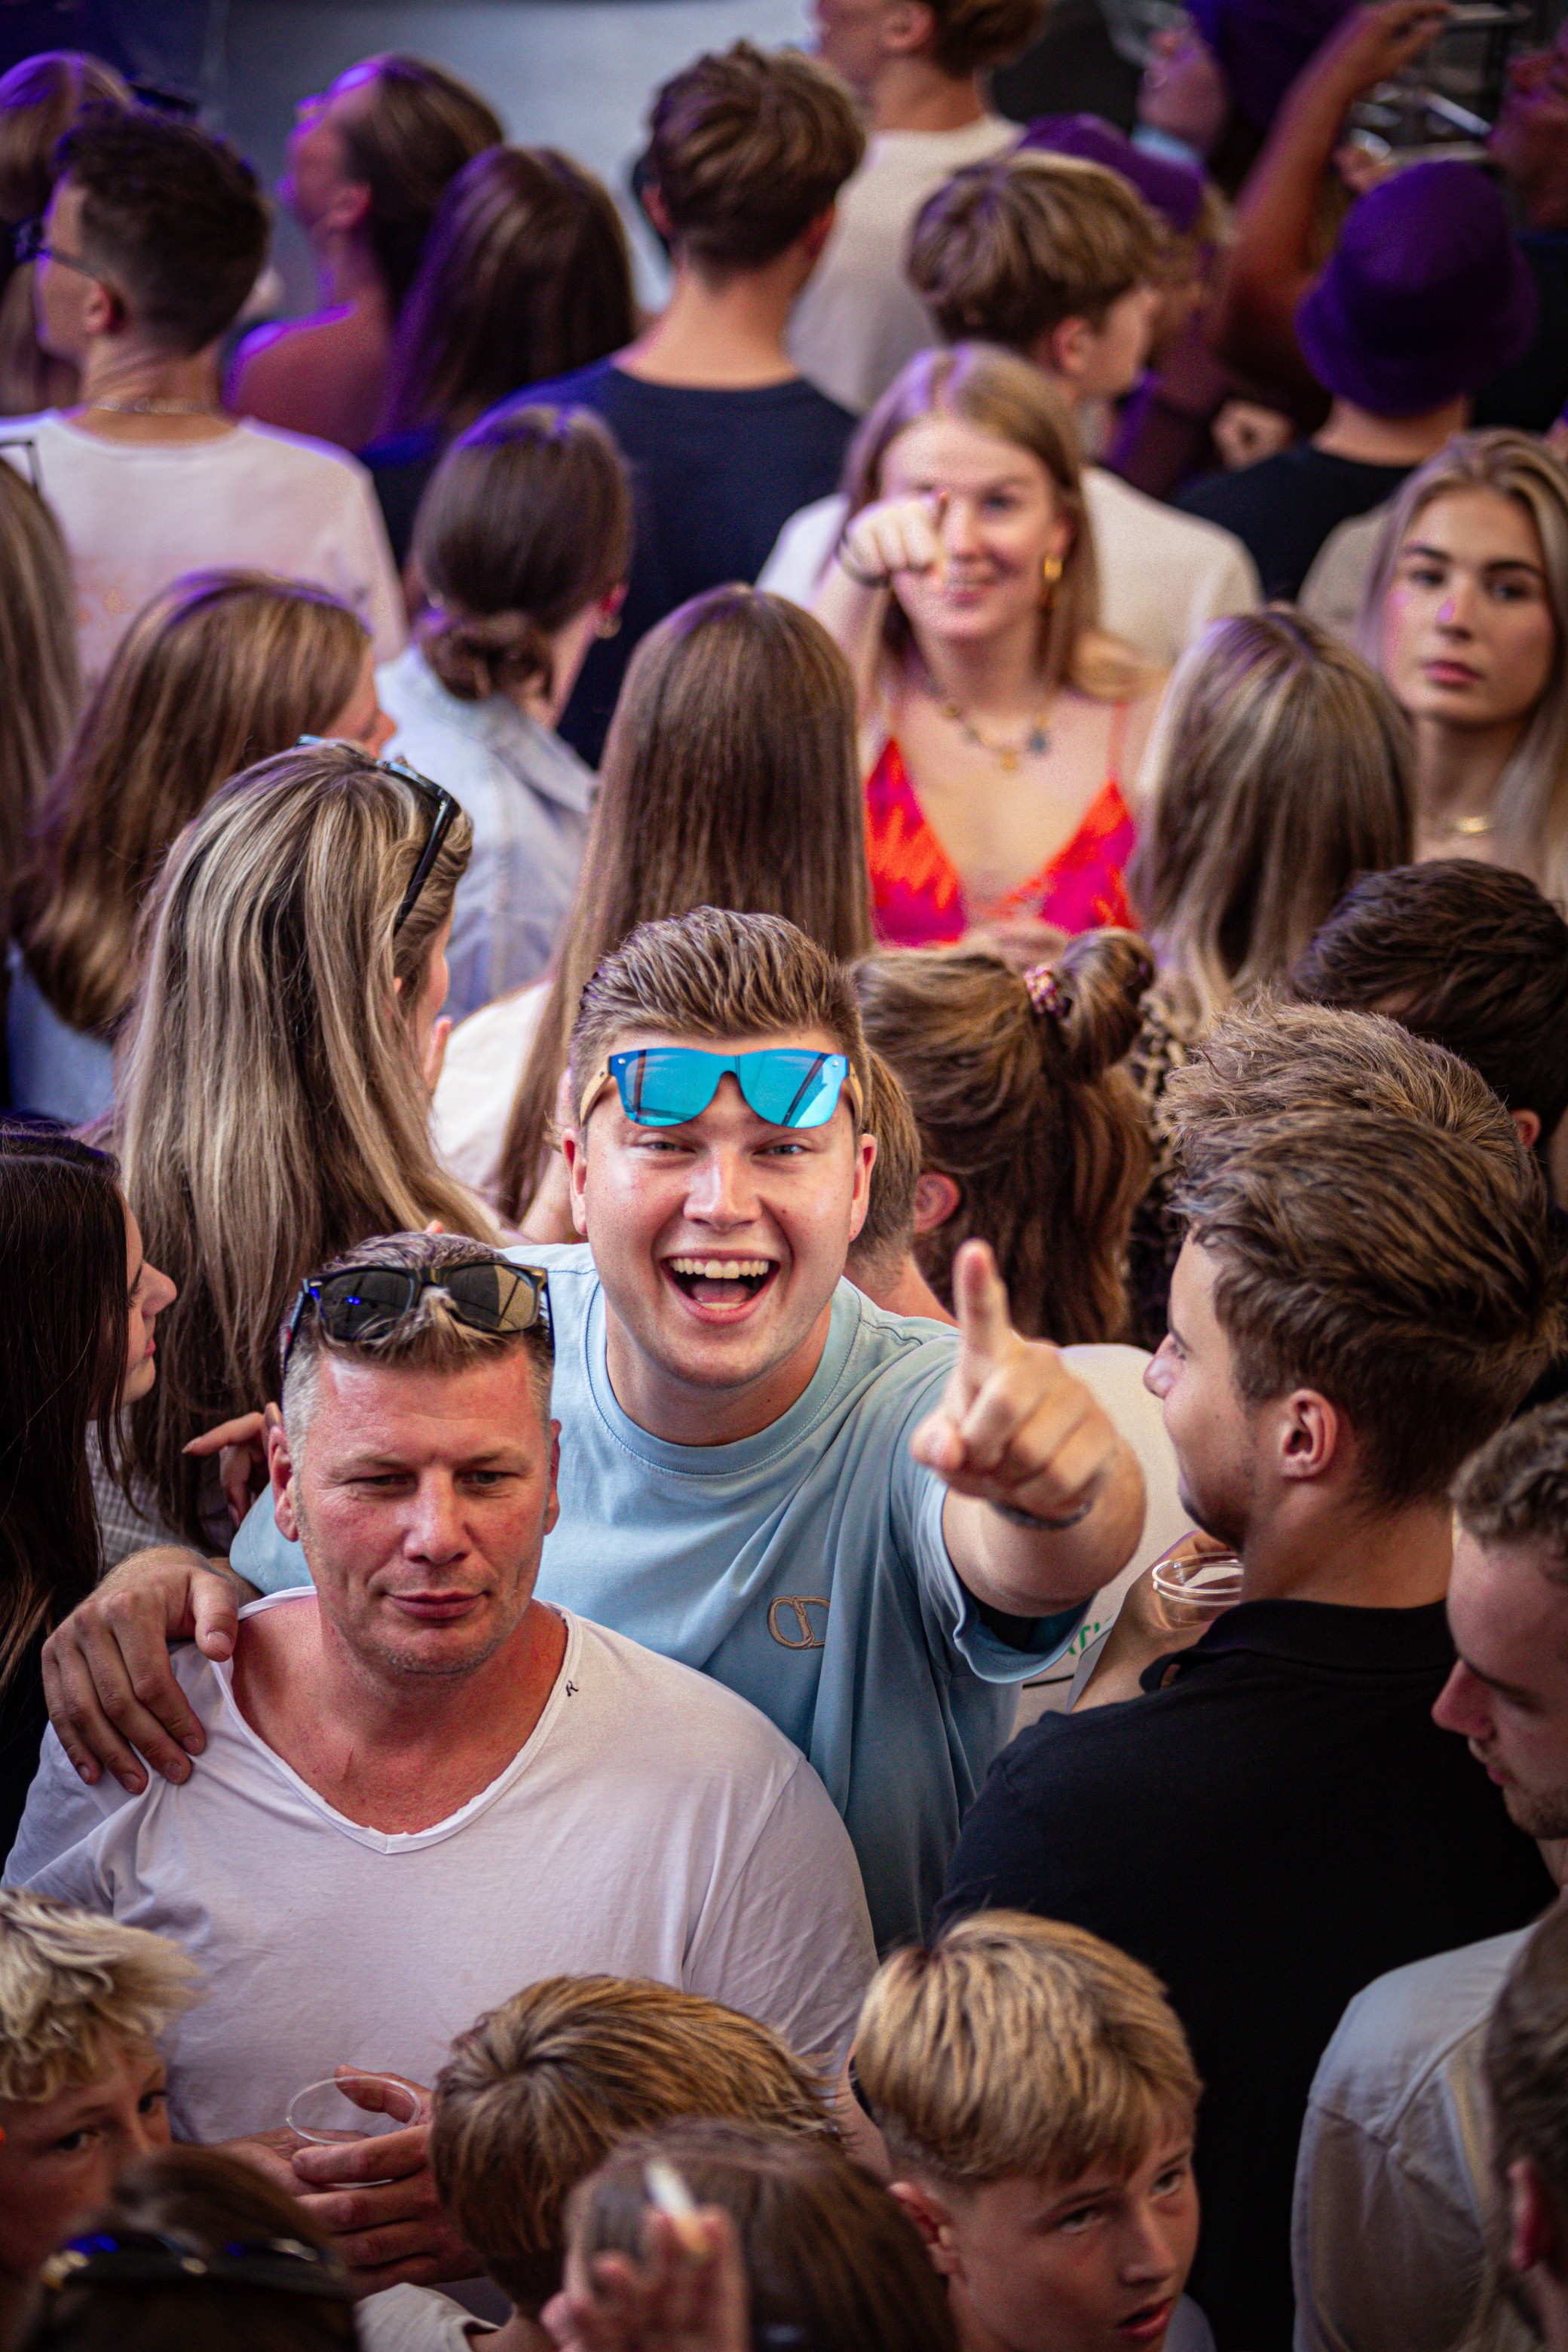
1471	827
1035	742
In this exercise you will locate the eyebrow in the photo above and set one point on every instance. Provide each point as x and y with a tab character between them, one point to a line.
136	1279
1493	564
1492	1681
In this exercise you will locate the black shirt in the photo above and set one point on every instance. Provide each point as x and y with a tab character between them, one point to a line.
1284	507
1277	1821
716	474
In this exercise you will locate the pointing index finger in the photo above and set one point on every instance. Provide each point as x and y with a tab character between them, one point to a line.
980	1302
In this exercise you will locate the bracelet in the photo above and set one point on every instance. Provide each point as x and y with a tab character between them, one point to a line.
1017	1518
861	578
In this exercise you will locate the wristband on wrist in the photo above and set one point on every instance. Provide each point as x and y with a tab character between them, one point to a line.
861	578
1017	1518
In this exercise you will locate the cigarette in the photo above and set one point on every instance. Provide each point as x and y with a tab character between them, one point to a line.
668	2195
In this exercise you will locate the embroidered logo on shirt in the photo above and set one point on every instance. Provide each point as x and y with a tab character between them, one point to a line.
792	1609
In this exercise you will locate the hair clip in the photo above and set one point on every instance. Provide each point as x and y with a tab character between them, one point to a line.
1045	995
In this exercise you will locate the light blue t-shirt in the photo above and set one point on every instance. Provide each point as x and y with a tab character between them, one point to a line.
804	1567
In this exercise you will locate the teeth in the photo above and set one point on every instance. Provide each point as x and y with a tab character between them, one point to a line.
715	1269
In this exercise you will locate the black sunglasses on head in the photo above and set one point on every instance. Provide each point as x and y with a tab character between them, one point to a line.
154	2258
367	1302
438	797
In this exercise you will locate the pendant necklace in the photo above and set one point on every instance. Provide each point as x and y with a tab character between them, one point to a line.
1035	743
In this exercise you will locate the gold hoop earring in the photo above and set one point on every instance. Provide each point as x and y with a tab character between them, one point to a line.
1050	573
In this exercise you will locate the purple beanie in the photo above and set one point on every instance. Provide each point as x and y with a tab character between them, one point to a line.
1425	296
1263	45
1175	190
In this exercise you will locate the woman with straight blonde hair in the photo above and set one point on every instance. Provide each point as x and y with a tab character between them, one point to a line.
273	1106
729	781
1031	1139
1466	613
998	723
38	663
1281	767
222	669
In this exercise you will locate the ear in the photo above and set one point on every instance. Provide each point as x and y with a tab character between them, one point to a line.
653	204
908	26
574	1152
102	309
1534	2225
1529	1125
932	2217
1310	1436
937	1198
816	234
349	207
860	1200
1066	350
280	1470
553	1509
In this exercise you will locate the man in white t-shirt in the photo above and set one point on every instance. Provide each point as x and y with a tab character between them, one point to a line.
154	238
422	1787
1056	258
918	65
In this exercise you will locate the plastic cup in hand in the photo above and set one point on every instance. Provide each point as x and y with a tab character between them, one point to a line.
1196	1582
327	2112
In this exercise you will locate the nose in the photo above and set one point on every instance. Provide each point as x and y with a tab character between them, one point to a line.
1144	2255
158	1293
1157	1371
722	1191
434	1530
1460	1705
1456	614
959	535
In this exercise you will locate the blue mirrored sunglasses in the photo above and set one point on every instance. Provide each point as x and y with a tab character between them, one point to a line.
665	1086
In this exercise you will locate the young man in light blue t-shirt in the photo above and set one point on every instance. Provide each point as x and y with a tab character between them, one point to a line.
872	1527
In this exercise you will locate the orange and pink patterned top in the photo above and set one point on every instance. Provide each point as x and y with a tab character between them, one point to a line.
917	898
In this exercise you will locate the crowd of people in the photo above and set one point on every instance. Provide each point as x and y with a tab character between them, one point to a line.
784	1534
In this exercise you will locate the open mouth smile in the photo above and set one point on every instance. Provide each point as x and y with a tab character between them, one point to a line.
721	1282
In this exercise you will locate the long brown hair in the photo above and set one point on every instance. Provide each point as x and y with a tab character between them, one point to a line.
223	670
1017	1099
270	1112
38	663
730	779
63	1260
525	277
997	393
1285	769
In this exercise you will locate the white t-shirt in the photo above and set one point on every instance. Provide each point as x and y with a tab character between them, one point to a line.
136	516
1163	576
485	1057
858	319
653	1824
416	2319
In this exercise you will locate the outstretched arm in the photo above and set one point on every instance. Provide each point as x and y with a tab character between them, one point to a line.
1045	1497
1269	266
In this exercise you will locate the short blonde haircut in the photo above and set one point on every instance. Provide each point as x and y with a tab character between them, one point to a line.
1013	246
1281	767
997	393
538	2092
76	1991
1020	2046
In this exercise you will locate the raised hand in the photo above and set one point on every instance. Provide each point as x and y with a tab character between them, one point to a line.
1015	1428
892	536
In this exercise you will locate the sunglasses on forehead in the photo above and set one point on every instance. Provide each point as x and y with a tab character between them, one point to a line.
368	1302
437	798
787	1086
154	2258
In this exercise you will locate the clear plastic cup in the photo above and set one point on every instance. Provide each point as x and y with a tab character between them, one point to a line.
1196	1581
324	2114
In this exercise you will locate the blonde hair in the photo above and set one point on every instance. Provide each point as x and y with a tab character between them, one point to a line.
1020	2046
711	973
1282	768
1013	246
38	661
527	521
75	1989
746	151
997	393
538	2092
1377	1228
1532	794
1020	1103
269	1108
223	670
731	778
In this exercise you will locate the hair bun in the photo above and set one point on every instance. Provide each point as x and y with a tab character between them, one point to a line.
1093	998
476	655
